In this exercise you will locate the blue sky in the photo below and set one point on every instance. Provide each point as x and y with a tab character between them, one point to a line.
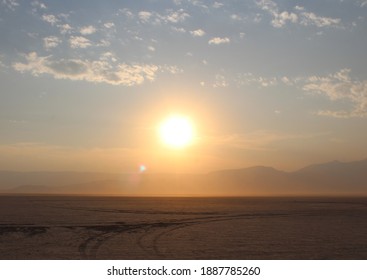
85	83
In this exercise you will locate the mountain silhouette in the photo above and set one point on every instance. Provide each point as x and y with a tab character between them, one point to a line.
332	178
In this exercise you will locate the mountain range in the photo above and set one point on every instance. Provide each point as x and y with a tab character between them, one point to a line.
332	178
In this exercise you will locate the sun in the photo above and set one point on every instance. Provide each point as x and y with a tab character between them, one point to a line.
176	131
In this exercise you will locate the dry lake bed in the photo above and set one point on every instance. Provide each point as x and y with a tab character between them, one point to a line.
103	228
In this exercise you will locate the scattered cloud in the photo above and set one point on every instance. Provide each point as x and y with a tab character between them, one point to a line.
178	29
51	42
144	16
10	4
219	40
236	17
79	42
52	19
65	28
279	18
38	4
176	16
87	30
220	81
312	19
217	5
340	86
300	16
157	18
250	79
109	24
2	65
197	33
97	71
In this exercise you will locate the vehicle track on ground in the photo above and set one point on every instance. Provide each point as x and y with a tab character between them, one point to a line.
152	233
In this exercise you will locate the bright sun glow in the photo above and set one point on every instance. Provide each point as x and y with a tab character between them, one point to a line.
176	131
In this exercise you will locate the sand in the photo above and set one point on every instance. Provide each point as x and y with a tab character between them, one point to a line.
75	227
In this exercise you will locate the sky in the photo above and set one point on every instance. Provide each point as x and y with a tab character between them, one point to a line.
85	84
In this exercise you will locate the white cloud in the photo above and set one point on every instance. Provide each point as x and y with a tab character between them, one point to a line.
52	19
301	16
220	81
87	30
65	28
38	4
178	29
282	18
340	86
156	18
236	17
97	71
217	5
176	16
103	43
109	24
363	3
10	4
279	18
51	42
144	16
108	56
219	40
197	33
79	42
2	65
251	79
312	19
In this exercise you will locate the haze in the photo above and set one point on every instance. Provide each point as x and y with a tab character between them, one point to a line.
272	83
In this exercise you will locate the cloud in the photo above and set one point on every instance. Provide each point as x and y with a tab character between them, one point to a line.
219	40
300	16
38	4
51	42
178	29
217	5
79	42
52	19
87	30
250	79
10	4
97	71
220	81
2	65
144	16
312	19
197	33
282	18
279	18
175	16
109	24
156	18
340	86
65	28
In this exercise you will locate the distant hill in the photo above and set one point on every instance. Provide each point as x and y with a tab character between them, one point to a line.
332	178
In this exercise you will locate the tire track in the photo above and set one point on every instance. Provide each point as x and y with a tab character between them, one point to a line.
152	233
